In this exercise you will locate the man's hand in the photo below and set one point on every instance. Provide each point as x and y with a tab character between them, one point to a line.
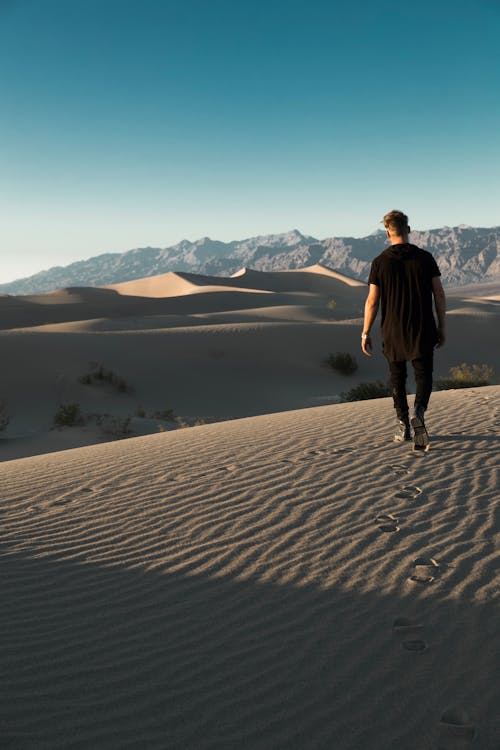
366	345
441	338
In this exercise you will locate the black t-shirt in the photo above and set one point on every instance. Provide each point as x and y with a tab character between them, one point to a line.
404	276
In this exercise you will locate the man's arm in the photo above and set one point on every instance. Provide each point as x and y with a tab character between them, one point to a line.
371	310
440	305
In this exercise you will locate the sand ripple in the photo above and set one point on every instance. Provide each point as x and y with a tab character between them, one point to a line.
235	586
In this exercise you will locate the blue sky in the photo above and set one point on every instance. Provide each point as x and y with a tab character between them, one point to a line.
130	123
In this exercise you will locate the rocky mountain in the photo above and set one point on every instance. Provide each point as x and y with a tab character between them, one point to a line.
464	254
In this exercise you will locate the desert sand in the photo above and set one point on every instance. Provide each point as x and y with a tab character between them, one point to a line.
289	580
208	348
286	578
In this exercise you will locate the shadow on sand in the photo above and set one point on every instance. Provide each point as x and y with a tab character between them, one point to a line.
107	657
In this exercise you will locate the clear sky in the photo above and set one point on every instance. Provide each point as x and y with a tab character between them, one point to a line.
126	123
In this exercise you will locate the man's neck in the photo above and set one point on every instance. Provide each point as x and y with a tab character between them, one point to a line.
397	239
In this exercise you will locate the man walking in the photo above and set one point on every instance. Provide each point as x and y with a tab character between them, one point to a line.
404	279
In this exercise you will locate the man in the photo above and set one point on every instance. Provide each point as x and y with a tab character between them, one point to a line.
405	280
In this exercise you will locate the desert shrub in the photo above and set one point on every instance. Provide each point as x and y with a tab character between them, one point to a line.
365	391
99	375
68	415
465	376
4	417
343	362
199	421
118	427
331	305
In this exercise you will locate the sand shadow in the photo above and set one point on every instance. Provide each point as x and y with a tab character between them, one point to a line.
106	657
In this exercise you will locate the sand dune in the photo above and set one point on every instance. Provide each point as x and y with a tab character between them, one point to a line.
185	293
210	355
320	280
283	581
175	285
485	289
286	580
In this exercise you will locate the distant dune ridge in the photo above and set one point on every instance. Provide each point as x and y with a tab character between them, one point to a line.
465	255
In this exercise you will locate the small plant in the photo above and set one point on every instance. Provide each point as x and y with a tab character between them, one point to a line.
331	305
68	415
118	427
99	375
343	362
465	376
365	391
199	422
4	417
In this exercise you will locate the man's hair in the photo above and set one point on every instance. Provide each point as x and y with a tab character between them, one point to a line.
396	222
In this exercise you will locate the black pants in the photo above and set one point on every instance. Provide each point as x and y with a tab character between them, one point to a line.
422	368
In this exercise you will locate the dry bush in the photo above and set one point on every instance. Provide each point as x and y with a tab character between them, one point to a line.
365	391
166	414
342	362
99	376
465	376
118	427
68	415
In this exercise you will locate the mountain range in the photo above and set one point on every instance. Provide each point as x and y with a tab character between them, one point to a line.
465	255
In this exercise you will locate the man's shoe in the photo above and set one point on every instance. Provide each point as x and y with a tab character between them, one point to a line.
420	438
403	431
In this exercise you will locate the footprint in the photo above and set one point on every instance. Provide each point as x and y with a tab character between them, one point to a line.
60	502
387	523
399	470
426	570
408	491
171	478
409	634
229	469
314	453
456	730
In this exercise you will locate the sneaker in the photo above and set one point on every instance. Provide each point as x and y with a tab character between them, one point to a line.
403	431
421	437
